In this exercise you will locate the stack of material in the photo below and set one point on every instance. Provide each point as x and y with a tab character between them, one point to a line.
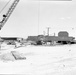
12	56
17	55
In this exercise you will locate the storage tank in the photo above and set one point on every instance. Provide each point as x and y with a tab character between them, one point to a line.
63	34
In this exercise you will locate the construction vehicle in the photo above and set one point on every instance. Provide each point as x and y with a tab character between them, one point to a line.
8	14
5	19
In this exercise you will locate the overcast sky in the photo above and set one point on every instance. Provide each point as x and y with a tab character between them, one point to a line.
33	17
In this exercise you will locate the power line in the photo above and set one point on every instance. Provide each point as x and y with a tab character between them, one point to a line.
38	16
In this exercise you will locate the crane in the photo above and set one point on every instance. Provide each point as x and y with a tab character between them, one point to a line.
8	14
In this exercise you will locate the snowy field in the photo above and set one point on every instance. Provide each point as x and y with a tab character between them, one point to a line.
40	60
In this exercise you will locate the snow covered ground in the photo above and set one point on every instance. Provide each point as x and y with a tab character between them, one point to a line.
41	60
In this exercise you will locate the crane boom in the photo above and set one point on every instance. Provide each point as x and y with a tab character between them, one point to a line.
8	14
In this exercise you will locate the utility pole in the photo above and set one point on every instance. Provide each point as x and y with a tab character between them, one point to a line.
38	16
48	28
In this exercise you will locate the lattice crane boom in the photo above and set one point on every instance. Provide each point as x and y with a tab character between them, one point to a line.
8	14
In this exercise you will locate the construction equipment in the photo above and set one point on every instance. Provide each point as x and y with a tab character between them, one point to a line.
62	38
9	12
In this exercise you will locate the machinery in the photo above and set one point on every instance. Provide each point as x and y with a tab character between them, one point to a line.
8	14
62	38
5	18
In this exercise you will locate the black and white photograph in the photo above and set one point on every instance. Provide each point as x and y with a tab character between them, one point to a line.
38	37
